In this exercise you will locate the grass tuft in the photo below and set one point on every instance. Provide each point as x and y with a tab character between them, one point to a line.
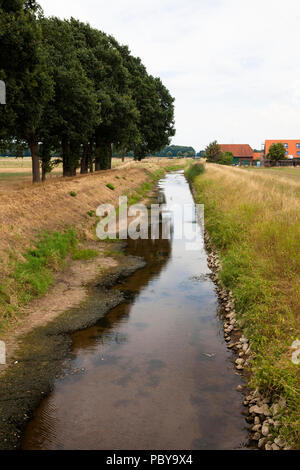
84	254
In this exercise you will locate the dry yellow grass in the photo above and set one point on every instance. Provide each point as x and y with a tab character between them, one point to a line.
49	206
15	173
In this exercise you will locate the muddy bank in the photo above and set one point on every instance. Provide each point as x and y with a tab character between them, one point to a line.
42	351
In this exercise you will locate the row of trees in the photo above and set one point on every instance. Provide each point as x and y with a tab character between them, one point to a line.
74	90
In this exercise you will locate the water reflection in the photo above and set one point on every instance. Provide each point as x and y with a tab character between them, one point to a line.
154	373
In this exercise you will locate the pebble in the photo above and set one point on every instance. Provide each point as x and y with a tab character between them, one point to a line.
262	442
256	427
275	447
280	442
265	430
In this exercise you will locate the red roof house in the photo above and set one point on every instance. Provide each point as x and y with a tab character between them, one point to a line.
242	153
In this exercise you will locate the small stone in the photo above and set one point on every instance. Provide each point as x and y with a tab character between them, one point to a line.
260	410
268	446
256	427
262	442
275	409
239	361
243	340
279	442
275	447
256	436
282	403
239	388
265	430
256	420
239	367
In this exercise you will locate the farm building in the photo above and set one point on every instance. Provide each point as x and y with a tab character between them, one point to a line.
242	153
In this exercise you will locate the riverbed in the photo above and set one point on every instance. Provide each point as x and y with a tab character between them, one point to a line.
154	372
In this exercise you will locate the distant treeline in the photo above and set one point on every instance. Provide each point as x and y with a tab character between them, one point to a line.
169	152
176	151
75	92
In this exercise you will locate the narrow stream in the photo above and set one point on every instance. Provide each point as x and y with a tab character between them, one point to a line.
155	372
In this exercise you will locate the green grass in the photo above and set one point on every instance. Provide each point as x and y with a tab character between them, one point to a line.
110	186
73	194
175	167
84	254
34	275
113	253
11	175
91	213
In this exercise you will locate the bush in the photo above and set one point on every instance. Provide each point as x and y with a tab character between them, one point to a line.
226	158
194	170
110	186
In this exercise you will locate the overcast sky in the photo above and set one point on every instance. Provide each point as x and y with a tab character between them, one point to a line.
233	66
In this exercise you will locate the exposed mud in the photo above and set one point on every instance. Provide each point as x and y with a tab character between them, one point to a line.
42	351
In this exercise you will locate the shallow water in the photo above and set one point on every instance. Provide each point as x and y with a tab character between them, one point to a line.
155	372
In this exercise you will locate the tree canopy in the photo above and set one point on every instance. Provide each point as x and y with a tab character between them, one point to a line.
75	91
277	152
213	152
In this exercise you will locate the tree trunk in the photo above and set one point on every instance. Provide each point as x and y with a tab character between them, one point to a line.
34	149
91	164
110	154
123	154
43	172
98	159
67	168
84	164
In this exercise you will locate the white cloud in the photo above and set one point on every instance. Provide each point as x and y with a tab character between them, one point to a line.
232	65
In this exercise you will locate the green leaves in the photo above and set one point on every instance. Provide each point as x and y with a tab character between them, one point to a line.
276	152
75	91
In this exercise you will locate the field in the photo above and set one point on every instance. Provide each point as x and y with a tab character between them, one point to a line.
291	173
253	218
16	172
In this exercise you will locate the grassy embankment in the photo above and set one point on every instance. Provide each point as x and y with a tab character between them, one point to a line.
253	219
31	273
